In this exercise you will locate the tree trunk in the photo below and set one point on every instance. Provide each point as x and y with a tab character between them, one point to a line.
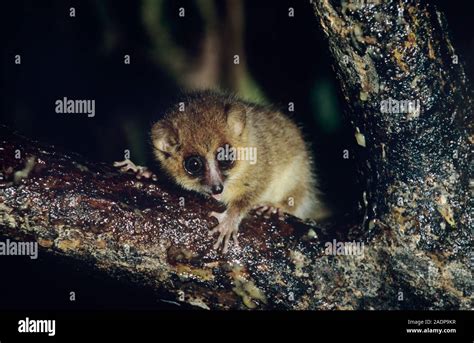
414	164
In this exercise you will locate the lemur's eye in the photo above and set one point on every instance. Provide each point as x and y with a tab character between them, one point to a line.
225	157
225	164
194	165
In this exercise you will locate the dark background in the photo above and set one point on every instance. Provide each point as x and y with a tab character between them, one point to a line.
286	59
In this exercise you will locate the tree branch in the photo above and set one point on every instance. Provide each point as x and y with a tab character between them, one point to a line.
148	231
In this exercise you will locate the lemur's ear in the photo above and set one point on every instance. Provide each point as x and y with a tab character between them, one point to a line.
236	117
164	138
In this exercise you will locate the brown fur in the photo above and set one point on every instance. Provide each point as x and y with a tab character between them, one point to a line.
283	176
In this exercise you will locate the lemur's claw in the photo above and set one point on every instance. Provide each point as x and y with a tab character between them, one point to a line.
228	227
127	165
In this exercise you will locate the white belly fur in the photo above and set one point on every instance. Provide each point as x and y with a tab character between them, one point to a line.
278	189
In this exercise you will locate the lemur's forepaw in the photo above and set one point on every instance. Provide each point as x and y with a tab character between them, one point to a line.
228	227
267	211
141	172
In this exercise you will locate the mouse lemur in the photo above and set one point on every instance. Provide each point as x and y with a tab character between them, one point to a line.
244	155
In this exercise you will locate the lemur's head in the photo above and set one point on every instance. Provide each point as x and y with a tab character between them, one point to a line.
193	140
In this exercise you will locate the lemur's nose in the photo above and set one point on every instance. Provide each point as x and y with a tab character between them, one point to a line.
217	189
